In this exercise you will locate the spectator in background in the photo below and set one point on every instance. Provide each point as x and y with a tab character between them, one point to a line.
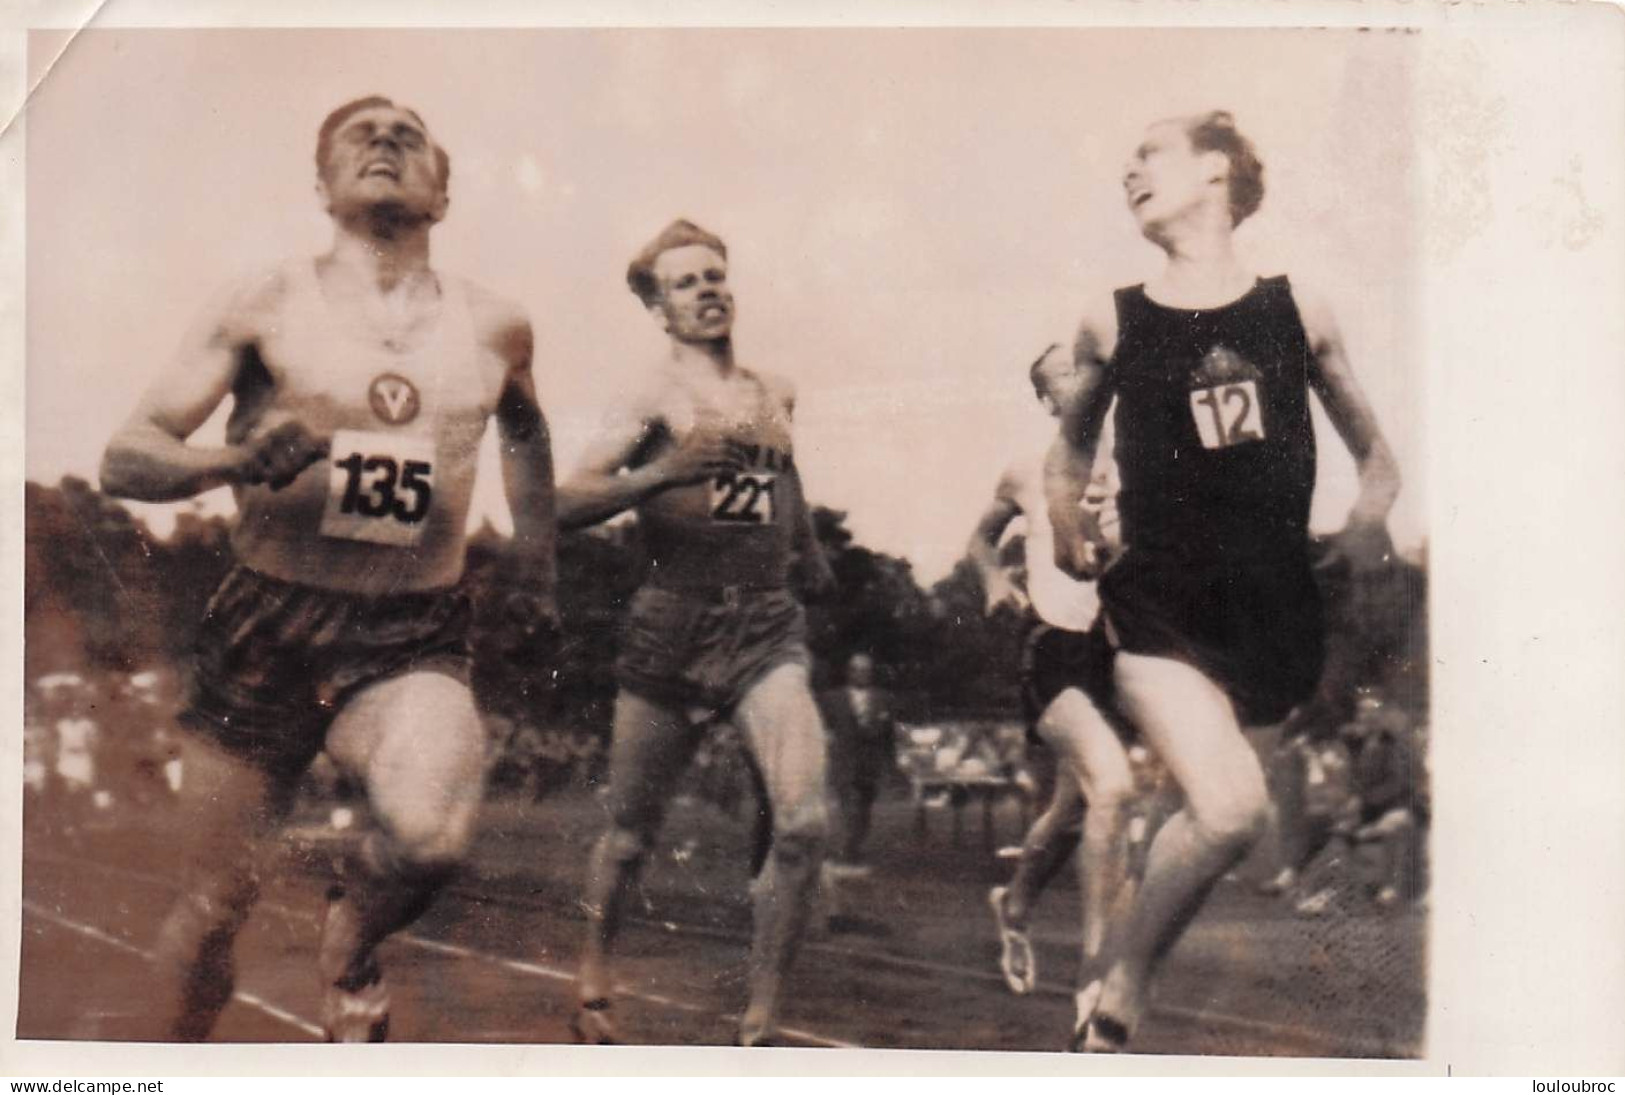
1384	785
1318	847
1362	793
77	742
862	753
39	750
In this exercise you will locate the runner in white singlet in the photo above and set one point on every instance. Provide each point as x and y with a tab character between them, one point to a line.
361	382
1061	678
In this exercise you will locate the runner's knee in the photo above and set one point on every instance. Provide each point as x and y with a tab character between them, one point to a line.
639	815
203	923
1233	820
801	833
223	903
421	855
1108	789
625	845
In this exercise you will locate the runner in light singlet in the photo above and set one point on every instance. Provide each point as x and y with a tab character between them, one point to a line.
1063	665
1212	610
703	454
361	382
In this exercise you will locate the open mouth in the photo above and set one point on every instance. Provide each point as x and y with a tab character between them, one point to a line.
713	311
381	169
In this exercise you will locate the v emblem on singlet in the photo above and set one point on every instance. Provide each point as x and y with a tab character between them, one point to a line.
394	399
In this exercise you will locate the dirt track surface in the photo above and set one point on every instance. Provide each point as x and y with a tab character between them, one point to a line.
492	961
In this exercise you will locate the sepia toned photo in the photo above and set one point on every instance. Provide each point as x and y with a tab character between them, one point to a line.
829	537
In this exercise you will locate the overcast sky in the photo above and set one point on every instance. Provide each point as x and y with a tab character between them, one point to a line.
912	215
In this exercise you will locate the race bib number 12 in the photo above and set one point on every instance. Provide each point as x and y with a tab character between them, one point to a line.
742	498
1227	414
379	487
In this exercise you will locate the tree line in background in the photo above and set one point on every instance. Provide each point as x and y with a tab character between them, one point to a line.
103	592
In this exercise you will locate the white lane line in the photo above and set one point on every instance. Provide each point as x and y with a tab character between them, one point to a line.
453	949
1360	1045
1357	1045
534	969
517	965
817	1039
89	931
84	929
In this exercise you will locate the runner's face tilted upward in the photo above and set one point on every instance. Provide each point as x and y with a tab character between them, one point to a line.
695	303
1167	180
383	161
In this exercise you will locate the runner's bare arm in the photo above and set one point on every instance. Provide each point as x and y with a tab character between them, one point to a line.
1071	459
527	460
1333	380
149	460
982	550
817	573
819	576
611	478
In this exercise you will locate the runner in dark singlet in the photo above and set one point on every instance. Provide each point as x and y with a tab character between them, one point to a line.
1212	610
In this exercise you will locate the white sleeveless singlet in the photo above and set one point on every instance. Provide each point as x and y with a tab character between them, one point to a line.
1057	598
386	511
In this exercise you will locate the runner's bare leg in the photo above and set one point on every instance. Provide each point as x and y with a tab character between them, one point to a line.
417	744
229	806
786	736
1189	721
651	747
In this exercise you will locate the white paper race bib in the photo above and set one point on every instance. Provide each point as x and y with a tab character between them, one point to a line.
743	498
1227	414
379	487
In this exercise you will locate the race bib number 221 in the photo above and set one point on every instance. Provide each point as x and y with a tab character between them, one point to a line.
742	498
379	487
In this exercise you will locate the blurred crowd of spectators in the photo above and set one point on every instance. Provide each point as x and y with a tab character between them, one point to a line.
1351	801
1352	810
95	741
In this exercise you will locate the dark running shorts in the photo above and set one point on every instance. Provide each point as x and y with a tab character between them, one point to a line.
703	650
1253	628
1053	660
274	662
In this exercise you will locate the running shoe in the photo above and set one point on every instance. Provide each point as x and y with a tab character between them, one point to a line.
592	1024
1093	1032
356	1015
1016	960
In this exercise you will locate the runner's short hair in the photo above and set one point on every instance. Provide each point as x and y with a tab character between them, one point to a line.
1036	369
1216	131
331	124
640	274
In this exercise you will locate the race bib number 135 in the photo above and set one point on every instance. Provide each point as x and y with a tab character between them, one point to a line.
1227	414
379	487
742	498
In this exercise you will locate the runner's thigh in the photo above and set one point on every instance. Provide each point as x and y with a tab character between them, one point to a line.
651	746
1094	755
786	735
417	742
1191	724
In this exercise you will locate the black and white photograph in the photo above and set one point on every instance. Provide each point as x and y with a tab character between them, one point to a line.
912	537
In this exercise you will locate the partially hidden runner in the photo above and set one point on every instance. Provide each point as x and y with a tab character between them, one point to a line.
1065	663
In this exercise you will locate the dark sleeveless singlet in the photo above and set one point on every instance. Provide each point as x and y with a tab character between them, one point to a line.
1216	453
